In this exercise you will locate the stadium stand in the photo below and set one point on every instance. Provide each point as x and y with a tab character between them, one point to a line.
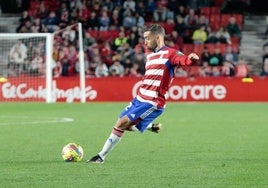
80	11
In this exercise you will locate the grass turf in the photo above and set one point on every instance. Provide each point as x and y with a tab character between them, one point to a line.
201	145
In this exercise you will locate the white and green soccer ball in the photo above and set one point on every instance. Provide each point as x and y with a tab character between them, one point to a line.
72	152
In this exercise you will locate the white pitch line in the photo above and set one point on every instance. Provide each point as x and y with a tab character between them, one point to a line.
23	120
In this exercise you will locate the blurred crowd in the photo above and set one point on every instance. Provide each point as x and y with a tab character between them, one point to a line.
113	40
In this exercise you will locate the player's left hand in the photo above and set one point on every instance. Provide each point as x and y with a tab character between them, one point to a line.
193	57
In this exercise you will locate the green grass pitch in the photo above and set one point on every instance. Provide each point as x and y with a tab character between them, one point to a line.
202	145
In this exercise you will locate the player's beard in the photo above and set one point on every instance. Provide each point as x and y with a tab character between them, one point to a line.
152	46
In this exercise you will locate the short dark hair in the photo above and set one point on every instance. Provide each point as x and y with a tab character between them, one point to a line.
155	29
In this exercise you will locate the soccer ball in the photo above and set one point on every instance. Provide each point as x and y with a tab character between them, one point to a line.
72	152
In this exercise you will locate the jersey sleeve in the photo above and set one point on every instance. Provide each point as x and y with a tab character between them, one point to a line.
180	59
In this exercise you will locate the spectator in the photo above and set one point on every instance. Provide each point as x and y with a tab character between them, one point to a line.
228	69
37	66
116	69
69	34
233	28
180	26
129	20
18	55
104	21
223	36
120	40
101	70
93	22
150	7
141	9
109	5
191	20
115	21
205	70
230	55
203	20
140	60
216	58
160	13
241	69
106	53
212	36
92	65
25	17
180	72
177	40
265	55
52	22
129	4
264	71
127	64
42	12
126	51
76	4
215	72
200	35
182	11
134	71
139	21
57	69
173	6
205	55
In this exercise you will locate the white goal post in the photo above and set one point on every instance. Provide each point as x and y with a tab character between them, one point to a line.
27	66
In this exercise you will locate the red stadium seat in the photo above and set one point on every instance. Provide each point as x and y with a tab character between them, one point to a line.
239	19
222	47
205	10
169	27
188	48
235	40
225	19
94	33
107	35
34	5
198	49
215	18
215	10
211	47
214	21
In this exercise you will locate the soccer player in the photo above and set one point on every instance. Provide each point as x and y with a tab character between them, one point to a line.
151	97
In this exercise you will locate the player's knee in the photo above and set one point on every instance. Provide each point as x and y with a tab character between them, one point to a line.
123	123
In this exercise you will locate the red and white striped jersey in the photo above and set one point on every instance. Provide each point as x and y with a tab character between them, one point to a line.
160	68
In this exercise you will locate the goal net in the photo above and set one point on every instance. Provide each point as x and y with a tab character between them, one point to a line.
32	63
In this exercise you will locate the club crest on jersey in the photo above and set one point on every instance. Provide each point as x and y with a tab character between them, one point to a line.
180	53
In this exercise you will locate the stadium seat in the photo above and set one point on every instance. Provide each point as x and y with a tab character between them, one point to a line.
188	48
214	21
205	11
225	19
235	47
210	47
198	49
194	70
94	33
84	14
34	5
215	10
222	47
169	27
32	12
107	35
239	19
